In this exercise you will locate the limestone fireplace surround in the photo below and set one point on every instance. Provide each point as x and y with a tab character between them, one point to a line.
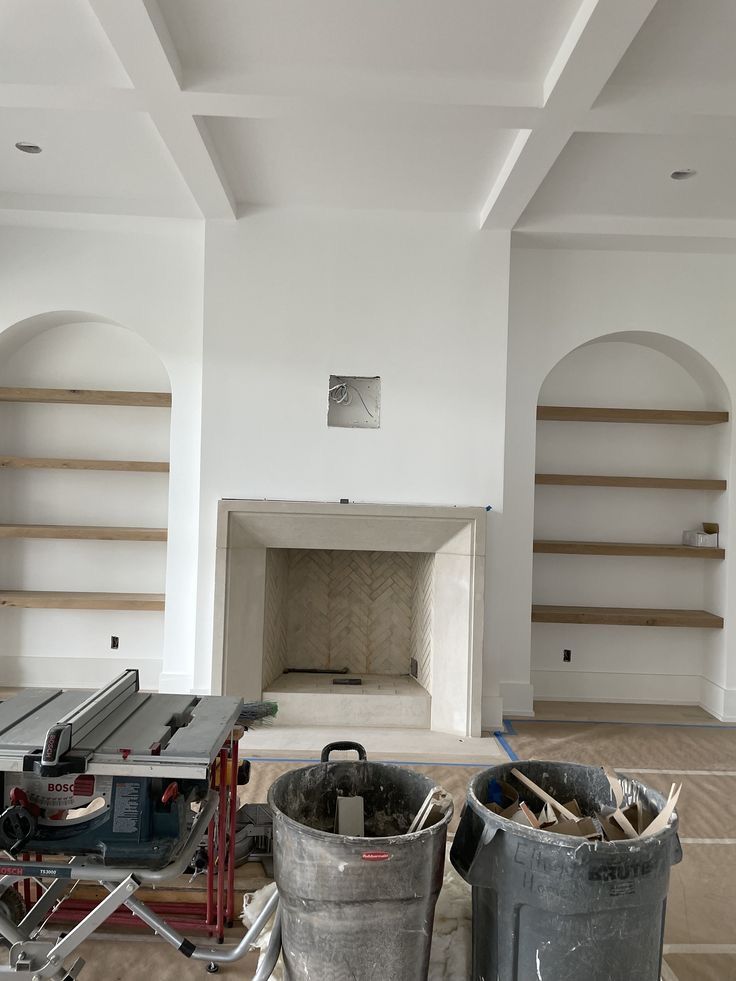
454	539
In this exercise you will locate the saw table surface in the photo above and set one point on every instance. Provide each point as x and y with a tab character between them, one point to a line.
140	735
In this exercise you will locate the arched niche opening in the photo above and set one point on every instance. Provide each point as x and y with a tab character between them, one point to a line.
84	504
577	520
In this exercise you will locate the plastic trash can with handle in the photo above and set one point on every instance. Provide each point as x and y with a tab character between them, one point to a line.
551	907
356	907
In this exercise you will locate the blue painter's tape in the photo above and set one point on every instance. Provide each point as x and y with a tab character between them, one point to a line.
500	738
508	728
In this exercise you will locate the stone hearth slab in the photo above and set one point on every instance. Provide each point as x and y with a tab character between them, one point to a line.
407	745
381	700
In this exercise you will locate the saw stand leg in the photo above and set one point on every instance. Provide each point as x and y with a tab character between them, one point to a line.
43	960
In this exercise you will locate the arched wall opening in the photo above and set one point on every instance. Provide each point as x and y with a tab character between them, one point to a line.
624	663
108	524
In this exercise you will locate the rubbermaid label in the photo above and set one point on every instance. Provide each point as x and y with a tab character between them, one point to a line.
375	856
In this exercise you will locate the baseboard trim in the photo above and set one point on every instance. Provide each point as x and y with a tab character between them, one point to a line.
173	684
491	712
719	701
518	699
73	672
595	686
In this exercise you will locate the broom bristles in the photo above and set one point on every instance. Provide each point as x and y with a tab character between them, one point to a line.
254	713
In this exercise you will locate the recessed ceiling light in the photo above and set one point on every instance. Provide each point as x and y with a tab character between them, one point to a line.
683	175
28	147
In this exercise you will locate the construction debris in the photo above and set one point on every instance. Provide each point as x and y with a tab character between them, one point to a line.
619	822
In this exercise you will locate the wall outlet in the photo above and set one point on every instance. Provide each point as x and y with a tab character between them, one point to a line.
567	655
114	643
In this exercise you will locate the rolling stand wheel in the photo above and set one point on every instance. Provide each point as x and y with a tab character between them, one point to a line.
213	968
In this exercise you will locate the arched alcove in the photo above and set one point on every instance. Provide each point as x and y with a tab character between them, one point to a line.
83	503
580	519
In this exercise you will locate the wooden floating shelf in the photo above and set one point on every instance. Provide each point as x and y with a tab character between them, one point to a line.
82	396
50	463
626	616
628	548
84	533
33	600
670	417
593	480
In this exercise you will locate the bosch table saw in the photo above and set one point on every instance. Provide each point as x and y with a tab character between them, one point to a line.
121	786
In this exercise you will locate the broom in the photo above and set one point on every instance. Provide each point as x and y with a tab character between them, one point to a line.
257	713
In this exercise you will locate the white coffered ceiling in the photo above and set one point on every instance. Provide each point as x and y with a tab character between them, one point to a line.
558	119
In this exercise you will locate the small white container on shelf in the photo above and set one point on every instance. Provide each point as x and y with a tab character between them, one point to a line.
699	539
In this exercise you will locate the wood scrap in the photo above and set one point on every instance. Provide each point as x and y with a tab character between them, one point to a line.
423	810
661	821
581	828
523	817
611	830
618	815
529	813
547	815
609	823
543	795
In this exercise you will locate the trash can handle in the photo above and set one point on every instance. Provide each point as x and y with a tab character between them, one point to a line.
347	744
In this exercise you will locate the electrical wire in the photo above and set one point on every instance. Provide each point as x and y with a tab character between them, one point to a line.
340	394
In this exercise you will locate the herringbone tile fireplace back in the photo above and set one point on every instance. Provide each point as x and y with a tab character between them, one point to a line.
367	611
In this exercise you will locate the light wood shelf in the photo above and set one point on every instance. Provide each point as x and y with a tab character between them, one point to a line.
593	480
555	547
82	396
670	417
35	600
51	463
84	533
626	616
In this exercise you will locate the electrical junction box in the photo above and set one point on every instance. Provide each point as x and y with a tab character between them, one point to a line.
354	402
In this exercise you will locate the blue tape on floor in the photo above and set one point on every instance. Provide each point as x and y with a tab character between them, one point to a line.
500	738
508	728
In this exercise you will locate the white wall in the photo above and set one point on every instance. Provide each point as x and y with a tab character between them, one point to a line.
561	299
292	297
147	278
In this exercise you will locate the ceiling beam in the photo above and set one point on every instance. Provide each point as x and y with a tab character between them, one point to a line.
74	97
596	41
95	205
586	224
262	102
137	32
659	122
581	230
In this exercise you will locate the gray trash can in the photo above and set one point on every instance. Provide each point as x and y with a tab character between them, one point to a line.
558	908
358	908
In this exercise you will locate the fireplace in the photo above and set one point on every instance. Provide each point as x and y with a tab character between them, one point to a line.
350	614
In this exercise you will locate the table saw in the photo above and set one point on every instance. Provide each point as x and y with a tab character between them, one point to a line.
118	787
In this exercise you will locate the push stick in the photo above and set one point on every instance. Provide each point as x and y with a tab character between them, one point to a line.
547	798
